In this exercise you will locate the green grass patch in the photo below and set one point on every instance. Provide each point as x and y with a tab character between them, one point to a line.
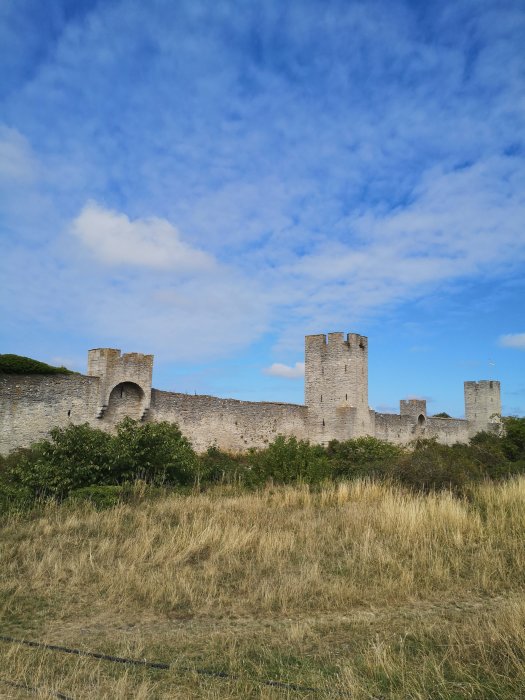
18	364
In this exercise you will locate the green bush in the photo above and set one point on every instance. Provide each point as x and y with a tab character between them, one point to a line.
288	460
17	364
433	467
364	456
514	438
157	453
219	467
73	457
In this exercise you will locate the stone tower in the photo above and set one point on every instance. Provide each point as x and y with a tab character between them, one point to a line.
336	386
482	406
125	383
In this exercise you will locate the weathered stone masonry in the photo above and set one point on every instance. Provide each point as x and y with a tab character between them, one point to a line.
336	403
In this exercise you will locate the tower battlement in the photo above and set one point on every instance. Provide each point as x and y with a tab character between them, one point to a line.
415	408
130	371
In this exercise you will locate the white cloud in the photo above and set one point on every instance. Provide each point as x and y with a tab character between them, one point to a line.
279	370
513	340
115	239
16	159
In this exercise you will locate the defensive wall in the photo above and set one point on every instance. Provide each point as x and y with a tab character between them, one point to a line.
336	403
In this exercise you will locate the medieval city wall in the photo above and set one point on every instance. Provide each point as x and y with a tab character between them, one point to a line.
336	403
228	423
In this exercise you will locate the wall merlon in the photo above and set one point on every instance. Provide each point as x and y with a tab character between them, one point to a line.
315	341
136	357
335	339
356	340
483	384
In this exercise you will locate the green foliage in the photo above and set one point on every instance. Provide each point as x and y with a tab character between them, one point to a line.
80	456
288	460
17	364
217	466
73	457
364	456
443	414
158	453
514	438
101	497
433	467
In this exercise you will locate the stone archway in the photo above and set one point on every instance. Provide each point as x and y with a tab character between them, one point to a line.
125	399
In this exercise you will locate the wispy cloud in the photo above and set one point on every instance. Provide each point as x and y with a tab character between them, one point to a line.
288	372
229	172
513	340
17	164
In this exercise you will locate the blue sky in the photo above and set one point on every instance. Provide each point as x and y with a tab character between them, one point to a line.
210	181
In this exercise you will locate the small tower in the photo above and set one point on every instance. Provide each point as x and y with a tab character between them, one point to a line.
125	382
336	386
415	408
482	406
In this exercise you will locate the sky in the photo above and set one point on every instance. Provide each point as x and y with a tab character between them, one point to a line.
211	181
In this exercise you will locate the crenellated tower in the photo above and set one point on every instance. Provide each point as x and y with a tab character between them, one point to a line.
125	382
336	386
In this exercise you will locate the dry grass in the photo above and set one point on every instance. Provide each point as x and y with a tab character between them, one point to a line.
361	588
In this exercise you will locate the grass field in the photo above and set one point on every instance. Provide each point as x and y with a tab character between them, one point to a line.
361	590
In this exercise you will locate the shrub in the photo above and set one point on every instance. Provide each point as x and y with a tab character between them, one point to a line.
514	438
217	466
433	467
288	460
73	457
364	456
158	453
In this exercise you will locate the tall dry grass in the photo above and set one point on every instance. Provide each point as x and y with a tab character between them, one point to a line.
361	587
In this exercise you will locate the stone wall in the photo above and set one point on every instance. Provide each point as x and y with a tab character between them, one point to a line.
402	429
33	404
230	424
